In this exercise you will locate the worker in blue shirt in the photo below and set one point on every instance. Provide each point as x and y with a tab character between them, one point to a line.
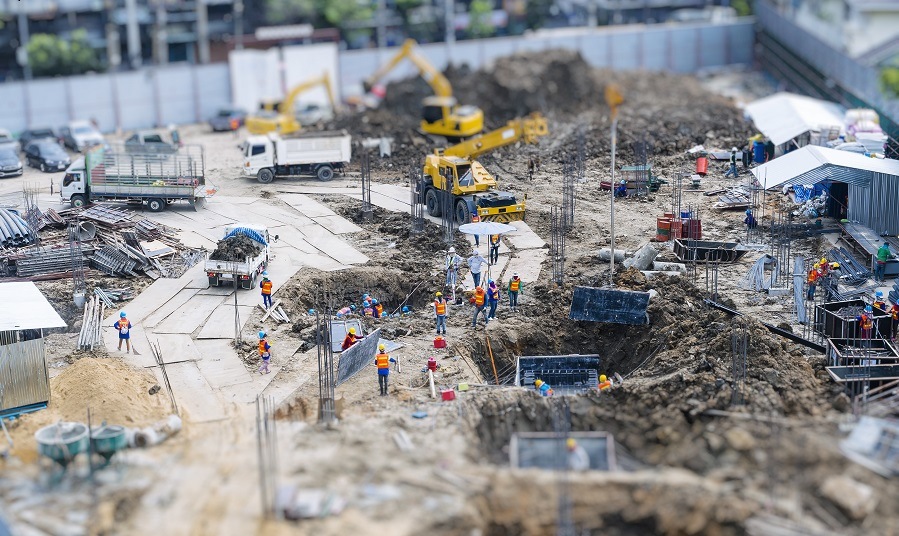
124	328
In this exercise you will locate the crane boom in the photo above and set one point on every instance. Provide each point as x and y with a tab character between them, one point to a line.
527	129
287	105
428	72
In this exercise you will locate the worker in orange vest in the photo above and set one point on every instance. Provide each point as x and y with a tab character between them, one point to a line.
894	314
480	302
383	361
377	308
866	323
265	353
266	286
493	254
123	326
813	275
440	312
604	382
350	339
879	304
514	288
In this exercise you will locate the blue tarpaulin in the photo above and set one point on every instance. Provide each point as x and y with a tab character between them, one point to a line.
250	233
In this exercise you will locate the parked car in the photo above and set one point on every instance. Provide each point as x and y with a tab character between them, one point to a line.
47	155
10	165
149	142
80	136
227	118
27	136
7	141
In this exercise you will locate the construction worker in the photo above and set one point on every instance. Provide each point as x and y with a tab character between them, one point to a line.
733	164
750	220
383	361
265	353
377	308
515	288
894	315
543	388
824	267
492	298
350	339
451	265
879	304
866	325
621	189
578	459
124	327
494	249
880	262
480	303
266	286
440	312
477	239
813	275
604	382
475	263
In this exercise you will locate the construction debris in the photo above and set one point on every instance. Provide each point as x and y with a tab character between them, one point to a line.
14	231
235	248
91	323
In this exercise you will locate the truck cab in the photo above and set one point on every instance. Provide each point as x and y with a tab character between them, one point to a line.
74	186
259	154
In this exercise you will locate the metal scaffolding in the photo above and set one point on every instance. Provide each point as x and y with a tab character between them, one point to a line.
581	153
366	186
781	243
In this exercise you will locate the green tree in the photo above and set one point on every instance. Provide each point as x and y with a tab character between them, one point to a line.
537	12
742	7
287	11
51	56
479	24
889	81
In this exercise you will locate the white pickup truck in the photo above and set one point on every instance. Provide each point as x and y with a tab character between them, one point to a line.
244	272
317	154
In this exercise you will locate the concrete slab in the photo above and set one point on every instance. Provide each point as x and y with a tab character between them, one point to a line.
154	296
190	316
280	269
337	249
139	341
528	264
176	347
265	209
197	239
220	324
225	199
209	218
220	365
242	214
223	290
199	282
193	394
291	237
524	237
314	189
169	307
337	224
306	205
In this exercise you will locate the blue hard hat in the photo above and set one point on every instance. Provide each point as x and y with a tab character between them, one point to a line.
353	307
375	302
311	311
364	296
261	334
405	308
122	314
878	294
869	309
265	273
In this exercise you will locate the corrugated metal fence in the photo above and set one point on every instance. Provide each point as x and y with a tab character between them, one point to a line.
874	206
157	96
23	374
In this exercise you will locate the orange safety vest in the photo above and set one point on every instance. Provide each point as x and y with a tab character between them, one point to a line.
262	350
479	298
880	305
380	309
266	287
514	285
867	322
475	218
440	307
123	325
494	239
382	360
813	276
894	312
605	385
235	124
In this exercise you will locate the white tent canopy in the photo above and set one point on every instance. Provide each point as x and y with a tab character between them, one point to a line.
812	164
783	116
24	307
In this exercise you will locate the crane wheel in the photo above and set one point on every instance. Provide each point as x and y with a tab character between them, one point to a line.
463	215
432	203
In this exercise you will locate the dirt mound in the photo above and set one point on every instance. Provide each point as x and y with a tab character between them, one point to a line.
235	248
114	391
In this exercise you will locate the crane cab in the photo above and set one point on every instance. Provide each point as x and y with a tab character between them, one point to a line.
442	116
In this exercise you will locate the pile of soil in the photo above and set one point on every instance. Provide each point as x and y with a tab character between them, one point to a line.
235	248
115	392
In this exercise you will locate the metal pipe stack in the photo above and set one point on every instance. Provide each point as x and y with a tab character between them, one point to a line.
14	232
91	324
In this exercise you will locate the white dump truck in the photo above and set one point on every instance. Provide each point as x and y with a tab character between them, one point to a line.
240	256
134	178
316	154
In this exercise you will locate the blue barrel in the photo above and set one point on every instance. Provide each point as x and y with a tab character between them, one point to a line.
758	152
686	214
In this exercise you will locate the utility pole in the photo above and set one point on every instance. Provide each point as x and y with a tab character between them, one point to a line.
381	17
160	36
203	31
449	19
23	42
135	56
613	99
113	46
238	24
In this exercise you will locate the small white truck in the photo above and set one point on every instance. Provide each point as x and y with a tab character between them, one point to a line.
239	270
317	154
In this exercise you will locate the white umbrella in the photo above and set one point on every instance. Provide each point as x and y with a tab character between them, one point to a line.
486	228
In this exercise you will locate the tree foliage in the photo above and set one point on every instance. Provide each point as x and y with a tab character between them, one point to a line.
479	24
286	11
889	81
536	13
49	55
742	7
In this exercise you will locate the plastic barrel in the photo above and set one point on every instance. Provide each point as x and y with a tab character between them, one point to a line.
694	229
758	152
676	229
663	229
686	214
702	166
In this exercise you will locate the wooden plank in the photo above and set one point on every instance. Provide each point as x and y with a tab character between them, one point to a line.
271	309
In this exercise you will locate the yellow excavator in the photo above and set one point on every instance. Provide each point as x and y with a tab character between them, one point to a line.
452	180
285	119
441	115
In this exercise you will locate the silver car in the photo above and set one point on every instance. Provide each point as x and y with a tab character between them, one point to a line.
10	165
80	136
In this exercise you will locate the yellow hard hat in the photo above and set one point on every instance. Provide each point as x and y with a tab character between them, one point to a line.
571	443
823	260
352	331
438	294
834	265
380	347
602	377
538	383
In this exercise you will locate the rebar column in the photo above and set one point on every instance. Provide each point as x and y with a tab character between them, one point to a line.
557	246
569	170
366	186
739	341
267	453
447	212
327	411
416	202
76	259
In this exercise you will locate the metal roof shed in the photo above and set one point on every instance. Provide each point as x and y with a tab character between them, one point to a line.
24	378
873	182
785	116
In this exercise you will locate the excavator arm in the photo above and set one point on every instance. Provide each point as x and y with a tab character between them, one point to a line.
287	105
527	129
431	75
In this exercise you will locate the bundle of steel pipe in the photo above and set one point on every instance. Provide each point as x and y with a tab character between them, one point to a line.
852	272
14	232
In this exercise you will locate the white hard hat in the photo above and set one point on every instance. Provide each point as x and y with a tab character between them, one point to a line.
452	250
733	149
476	252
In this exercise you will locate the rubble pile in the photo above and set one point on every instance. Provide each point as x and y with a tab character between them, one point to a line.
235	248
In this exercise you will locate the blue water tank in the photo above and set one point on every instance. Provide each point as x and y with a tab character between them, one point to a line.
758	152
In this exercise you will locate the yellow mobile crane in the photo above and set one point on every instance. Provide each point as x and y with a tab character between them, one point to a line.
441	115
453	180
285	120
